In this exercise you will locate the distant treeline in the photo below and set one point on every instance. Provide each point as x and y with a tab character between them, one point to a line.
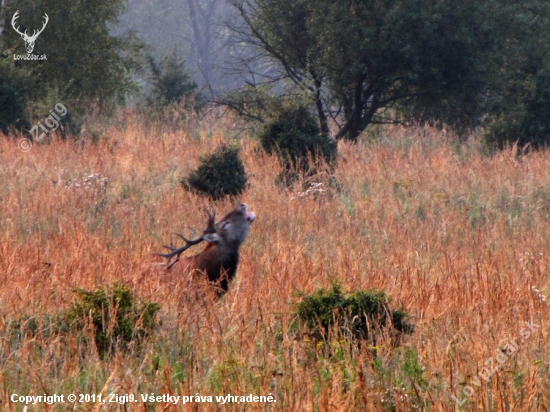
466	65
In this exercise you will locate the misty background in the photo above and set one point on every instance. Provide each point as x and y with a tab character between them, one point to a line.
197	31
481	67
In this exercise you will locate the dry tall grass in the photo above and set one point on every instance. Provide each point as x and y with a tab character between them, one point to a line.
459	239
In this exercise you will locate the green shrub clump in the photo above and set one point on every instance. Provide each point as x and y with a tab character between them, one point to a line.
219	174
115	314
294	135
362	315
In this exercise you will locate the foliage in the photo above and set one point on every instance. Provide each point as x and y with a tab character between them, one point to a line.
172	84
361	315
252	103
14	85
293	134
280	31
70	123
220	174
115	315
528	122
370	62
520	112
84	61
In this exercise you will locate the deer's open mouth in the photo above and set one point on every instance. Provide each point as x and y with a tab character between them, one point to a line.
250	216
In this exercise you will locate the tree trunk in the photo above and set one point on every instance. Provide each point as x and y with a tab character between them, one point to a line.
323	121
201	23
353	115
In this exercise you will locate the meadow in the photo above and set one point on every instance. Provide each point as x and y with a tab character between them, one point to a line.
456	237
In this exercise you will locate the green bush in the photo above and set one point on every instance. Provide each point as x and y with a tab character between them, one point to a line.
219	174
113	314
116	316
294	135
362	315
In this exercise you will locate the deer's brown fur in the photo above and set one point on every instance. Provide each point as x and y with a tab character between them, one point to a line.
218	262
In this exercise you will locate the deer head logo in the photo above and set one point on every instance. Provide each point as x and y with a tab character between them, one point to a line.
29	40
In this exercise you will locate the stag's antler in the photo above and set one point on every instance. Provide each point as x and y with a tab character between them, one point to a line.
188	243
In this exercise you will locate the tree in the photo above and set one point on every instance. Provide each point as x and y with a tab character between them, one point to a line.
172	84
14	86
520	105
277	32
194	27
85	64
374	62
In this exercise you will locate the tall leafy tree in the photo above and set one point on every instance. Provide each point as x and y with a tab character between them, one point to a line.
372	61
520	105
85	63
278	32
430	59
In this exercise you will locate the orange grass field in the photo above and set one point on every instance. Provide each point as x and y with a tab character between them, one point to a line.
457	238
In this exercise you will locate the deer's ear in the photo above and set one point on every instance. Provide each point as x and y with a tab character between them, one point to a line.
211	238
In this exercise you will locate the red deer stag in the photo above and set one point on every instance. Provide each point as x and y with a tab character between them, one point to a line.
219	259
